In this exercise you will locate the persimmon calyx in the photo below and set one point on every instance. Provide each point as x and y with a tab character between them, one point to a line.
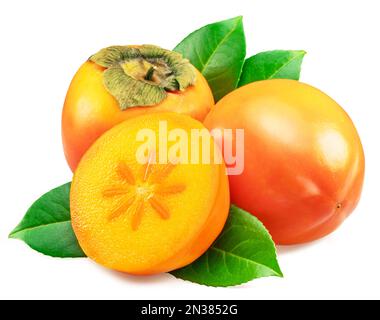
141	76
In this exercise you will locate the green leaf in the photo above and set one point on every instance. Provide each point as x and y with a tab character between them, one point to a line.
218	52
46	226
243	252
277	64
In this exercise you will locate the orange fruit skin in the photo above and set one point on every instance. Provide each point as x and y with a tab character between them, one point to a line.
196	210
304	161
89	110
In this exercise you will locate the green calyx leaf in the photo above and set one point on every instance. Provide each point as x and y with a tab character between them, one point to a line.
46	226
243	252
277	64
218	51
138	93
140	76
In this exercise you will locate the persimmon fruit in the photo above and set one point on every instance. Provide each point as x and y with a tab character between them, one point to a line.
303	163
146	218
122	82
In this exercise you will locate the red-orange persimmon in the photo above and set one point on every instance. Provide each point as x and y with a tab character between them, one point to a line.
304	162
91	108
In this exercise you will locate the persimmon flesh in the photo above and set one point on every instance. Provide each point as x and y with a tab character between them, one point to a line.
146	218
304	161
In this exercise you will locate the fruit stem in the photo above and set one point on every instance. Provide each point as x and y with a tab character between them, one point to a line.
149	74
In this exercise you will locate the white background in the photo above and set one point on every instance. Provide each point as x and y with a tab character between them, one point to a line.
44	42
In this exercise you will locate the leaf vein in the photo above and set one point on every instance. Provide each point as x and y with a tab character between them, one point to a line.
37	227
219	45
285	65
244	259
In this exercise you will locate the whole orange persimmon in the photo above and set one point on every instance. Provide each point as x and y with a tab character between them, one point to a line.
121	82
304	161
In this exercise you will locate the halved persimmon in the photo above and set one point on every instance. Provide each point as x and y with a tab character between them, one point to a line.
152	217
